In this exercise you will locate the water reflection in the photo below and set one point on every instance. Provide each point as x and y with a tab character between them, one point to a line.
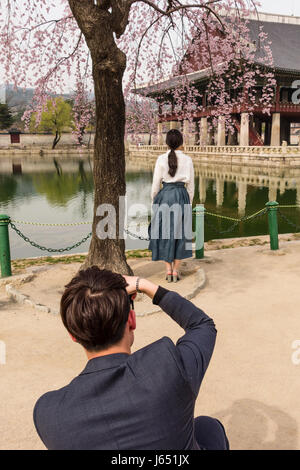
61	191
278	181
8	188
236	191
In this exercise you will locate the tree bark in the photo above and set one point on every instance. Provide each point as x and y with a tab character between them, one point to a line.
56	139
109	64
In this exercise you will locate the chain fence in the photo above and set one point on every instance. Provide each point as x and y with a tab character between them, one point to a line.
207	214
43	248
236	221
42	224
288	221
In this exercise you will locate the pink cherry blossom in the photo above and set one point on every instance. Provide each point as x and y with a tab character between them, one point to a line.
42	47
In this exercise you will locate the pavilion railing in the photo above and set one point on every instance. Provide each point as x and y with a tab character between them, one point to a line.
283	150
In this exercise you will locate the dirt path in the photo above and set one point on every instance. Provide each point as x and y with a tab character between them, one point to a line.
252	384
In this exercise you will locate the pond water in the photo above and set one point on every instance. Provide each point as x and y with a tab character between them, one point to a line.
60	191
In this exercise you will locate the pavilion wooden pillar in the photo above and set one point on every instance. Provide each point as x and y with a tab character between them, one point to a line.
221	136
244	135
193	133
211	133
172	125
160	137
186	132
276	129
203	131
275	133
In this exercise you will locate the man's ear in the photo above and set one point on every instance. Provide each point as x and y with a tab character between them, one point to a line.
132	320
72	338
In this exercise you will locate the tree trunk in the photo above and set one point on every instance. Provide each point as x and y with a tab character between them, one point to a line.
80	137
109	64
56	140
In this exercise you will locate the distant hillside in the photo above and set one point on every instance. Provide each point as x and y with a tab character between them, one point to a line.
18	98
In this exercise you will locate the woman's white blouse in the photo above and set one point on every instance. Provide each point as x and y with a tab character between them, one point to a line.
184	173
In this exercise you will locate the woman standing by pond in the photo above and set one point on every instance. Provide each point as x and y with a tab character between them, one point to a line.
170	230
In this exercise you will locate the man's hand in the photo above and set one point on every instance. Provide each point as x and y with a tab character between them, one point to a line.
131	281
144	286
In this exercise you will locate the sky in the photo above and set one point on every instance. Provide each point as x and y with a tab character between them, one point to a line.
284	7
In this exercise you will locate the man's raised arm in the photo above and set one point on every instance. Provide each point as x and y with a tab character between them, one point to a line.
196	346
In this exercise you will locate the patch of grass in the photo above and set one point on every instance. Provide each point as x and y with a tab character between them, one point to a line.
138	254
257	241
19	265
237	244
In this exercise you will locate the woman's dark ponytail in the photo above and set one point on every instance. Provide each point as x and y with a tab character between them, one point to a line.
172	160
174	140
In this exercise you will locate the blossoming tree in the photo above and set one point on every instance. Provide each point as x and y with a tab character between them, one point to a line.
117	45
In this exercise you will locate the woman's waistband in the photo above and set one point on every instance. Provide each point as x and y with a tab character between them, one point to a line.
177	184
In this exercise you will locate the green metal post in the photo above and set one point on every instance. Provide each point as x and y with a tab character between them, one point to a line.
200	210
5	261
273	224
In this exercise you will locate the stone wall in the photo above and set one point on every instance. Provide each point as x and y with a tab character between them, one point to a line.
42	140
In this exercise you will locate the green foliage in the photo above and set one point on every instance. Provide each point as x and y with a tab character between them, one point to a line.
6	118
55	118
8	188
58	189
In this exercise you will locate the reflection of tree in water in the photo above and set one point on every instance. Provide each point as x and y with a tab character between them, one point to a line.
8	188
60	187
57	166
86	179
86	186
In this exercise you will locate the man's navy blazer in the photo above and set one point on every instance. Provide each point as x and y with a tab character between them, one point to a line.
143	400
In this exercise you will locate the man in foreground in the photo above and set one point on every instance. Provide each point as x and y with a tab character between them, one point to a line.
123	400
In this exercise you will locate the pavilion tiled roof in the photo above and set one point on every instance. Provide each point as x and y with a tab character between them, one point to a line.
285	39
285	45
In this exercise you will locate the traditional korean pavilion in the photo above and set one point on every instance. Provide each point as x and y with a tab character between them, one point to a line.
256	128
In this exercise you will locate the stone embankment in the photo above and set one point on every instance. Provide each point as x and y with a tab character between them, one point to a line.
40	145
283	156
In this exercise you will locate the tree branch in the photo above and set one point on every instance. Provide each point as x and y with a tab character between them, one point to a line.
169	12
119	15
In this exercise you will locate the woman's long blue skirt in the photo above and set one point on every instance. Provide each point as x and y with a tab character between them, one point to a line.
170	230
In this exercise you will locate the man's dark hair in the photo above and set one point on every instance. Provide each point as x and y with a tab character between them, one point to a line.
94	308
